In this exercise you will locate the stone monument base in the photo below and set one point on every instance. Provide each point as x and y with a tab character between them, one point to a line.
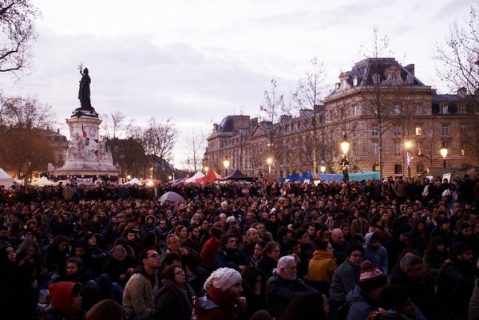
87	155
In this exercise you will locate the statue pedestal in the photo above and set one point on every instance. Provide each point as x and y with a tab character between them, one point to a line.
86	154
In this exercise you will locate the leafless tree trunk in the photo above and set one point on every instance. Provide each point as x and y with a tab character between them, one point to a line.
17	31
309	94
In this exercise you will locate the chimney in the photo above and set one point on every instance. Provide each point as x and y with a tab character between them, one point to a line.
254	122
58	130
462	92
285	118
410	68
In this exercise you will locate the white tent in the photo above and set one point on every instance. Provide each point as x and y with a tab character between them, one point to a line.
197	175
133	181
43	181
5	179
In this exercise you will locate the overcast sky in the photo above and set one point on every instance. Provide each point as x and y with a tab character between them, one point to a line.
198	61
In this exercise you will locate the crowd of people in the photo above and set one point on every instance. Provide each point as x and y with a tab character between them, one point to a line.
394	249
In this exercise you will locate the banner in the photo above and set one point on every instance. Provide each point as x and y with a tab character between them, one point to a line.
84	180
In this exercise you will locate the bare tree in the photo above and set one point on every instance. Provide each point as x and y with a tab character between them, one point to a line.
458	64
309	94
16	33
273	105
23	143
158	139
310	90
459	58
196	146
117	119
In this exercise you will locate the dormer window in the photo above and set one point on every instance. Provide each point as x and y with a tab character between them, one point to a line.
355	81
376	78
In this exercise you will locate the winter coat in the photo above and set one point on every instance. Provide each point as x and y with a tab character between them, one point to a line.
216	305
267	265
208	253
139	295
360	306
280	291
172	302
456	283
321	266
344	280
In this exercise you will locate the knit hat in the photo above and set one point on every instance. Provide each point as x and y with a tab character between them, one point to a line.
371	277
223	279
459	248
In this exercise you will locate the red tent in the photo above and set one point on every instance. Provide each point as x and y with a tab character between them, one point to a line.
210	177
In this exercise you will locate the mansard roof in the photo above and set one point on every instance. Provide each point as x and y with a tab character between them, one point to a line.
371	71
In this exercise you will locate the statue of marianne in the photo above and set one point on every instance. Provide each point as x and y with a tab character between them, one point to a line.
84	91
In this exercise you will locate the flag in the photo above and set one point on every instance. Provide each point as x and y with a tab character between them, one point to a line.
83	131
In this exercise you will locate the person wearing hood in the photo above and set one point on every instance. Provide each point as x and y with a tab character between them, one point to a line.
65	301
364	299
375	252
141	288
223	299
322	266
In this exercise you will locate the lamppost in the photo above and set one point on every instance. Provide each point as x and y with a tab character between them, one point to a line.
345	144
269	161
207	169
226	164
407	147
444	151
322	167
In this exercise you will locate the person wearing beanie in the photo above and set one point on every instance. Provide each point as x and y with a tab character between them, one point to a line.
365	296
284	285
65	301
456	281
223	299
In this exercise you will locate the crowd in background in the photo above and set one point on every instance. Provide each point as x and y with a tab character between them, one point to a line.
392	249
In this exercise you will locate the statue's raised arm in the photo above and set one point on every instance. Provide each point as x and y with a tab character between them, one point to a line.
84	91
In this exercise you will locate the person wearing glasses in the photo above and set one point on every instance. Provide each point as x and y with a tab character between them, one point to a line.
141	288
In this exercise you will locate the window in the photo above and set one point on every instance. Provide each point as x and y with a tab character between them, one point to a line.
397	168
461	109
397	110
418	109
397	131
376	78
376	149
444	109
445	129
419	131
397	148
420	168
375	130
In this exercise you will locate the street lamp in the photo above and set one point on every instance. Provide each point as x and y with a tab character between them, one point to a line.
226	164
269	161
206	168
128	177
322	167
345	145
407	147
444	151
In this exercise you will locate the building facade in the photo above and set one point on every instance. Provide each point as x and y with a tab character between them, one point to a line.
394	123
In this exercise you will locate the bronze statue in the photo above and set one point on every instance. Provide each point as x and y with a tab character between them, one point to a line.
84	91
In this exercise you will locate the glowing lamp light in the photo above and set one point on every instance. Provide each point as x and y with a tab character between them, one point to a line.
226	164
444	150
